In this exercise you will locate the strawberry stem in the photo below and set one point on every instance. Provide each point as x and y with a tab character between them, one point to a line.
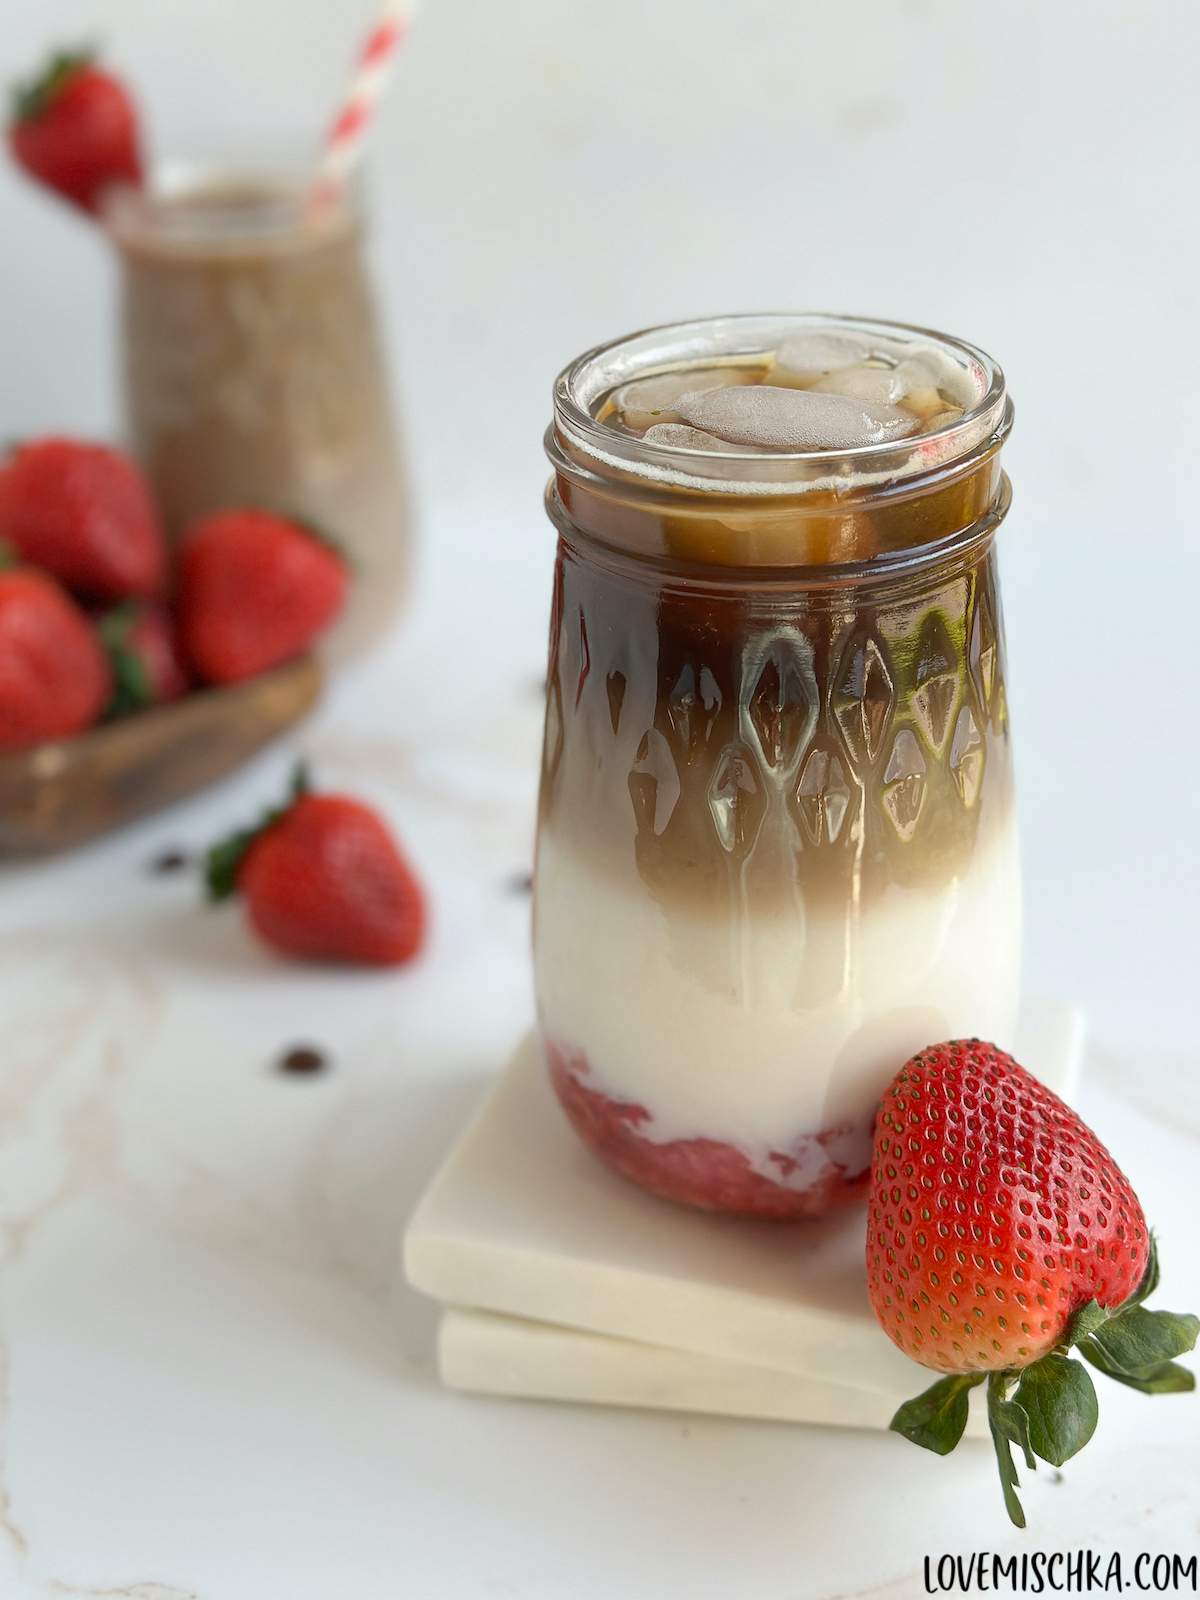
132	688
29	100
223	863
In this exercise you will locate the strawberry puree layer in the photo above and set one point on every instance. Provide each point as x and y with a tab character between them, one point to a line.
735	1060
819	1173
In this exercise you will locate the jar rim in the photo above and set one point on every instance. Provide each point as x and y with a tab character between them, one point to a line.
223	205
668	346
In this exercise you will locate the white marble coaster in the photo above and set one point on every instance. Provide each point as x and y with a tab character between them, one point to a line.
523	1220
482	1353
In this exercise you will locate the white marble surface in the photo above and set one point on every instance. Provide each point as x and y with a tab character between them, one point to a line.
210	1388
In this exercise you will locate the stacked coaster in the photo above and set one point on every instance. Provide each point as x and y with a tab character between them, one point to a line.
560	1281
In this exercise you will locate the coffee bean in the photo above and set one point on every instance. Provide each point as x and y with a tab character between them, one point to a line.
170	861
303	1058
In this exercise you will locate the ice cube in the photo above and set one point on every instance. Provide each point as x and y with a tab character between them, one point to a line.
942	419
813	353
647	401
925	403
678	436
877	386
925	368
771	418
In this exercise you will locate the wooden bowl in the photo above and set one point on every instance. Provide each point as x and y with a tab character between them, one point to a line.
58	795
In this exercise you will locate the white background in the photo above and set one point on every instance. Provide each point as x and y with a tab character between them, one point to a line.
552	172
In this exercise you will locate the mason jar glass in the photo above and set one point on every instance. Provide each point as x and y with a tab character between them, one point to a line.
777	847
253	369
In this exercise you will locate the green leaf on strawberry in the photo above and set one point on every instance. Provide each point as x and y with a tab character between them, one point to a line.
1059	1400
935	1419
29	100
223	863
1170	1378
1009	1426
1137	1341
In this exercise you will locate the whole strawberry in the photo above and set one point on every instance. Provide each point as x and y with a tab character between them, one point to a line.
54	677
255	590
324	879
143	650
84	513
1001	1234
75	129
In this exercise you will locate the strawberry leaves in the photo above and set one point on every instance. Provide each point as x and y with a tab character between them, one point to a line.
132	688
31	99
1138	1341
223	863
935	1419
1059	1399
1009	1425
1049	1409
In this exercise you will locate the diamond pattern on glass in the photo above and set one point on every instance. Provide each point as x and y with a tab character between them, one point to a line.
967	757
904	783
654	785
983	649
615	686
692	707
781	707
552	744
736	800
585	657
863	697
937	682
823	796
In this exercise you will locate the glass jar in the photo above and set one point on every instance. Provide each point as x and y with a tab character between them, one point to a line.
777	846
253	370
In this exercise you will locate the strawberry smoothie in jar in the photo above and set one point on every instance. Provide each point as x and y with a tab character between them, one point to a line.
254	373
777	846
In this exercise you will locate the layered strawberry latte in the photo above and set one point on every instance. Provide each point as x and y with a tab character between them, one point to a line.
777	848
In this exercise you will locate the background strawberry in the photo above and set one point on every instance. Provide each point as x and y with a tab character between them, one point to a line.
143	651
1001	1234
84	513
54	677
254	591
324	879
75	129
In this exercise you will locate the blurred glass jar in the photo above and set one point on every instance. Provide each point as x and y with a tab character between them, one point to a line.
253	370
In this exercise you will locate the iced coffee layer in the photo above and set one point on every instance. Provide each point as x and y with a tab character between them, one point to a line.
761	1030
727	747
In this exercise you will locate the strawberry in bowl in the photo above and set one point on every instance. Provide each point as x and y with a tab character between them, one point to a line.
1003	1241
55	679
255	590
84	513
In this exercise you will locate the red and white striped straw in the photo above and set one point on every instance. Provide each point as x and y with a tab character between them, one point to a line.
344	147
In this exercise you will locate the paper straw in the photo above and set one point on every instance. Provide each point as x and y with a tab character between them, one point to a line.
373	70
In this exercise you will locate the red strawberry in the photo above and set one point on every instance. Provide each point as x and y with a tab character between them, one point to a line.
75	129
324	879
54	678
1001	1234
255	590
84	513
143	649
